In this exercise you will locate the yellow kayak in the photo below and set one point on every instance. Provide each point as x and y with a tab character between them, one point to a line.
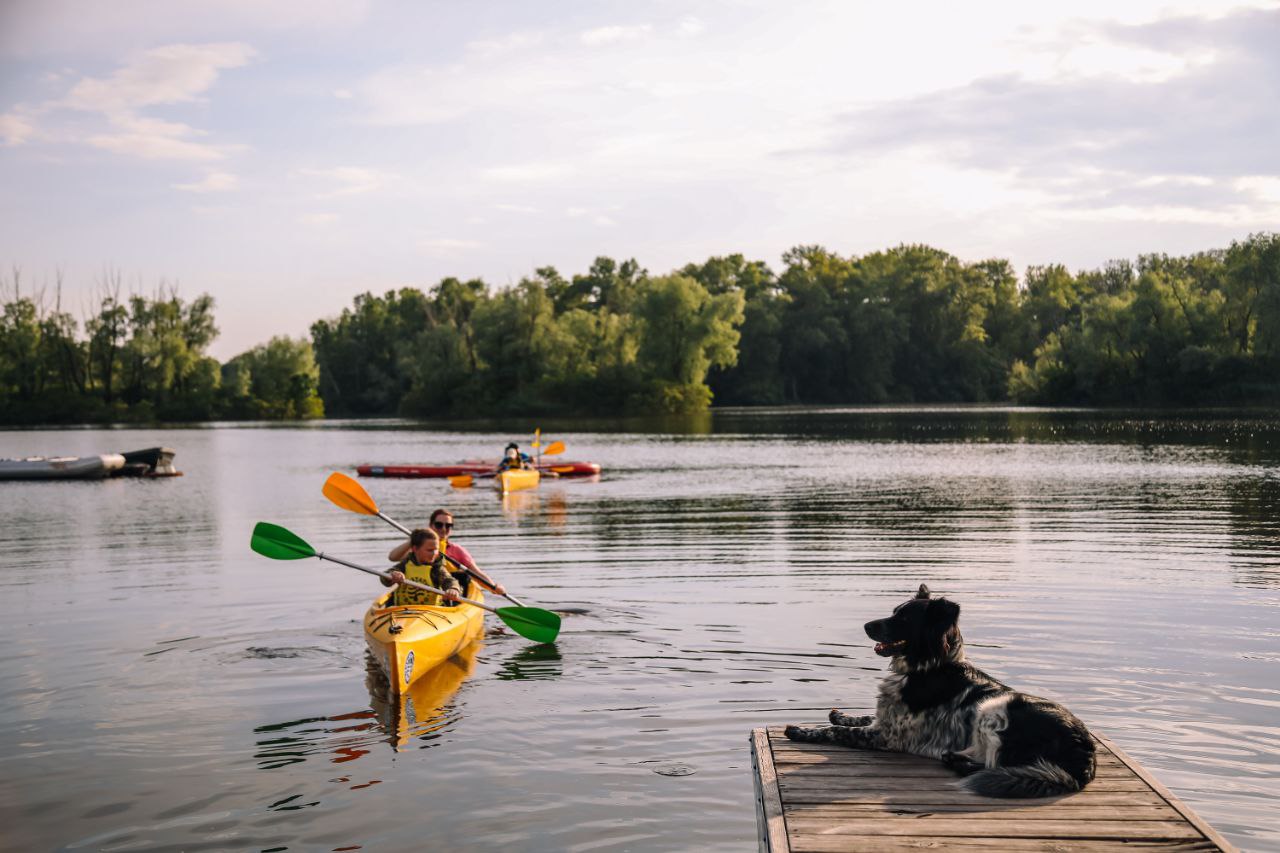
408	642
516	479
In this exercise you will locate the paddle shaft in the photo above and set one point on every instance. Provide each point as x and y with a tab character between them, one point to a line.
398	526
387	576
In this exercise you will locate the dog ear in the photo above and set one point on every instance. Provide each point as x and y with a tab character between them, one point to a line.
923	592
941	611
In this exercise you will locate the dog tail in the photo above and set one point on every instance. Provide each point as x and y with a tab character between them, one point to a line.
1041	779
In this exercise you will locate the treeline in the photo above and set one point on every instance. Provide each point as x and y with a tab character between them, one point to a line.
909	324
140	359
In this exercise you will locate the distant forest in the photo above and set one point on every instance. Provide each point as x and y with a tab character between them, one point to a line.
908	324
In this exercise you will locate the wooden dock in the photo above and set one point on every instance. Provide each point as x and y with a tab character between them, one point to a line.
820	797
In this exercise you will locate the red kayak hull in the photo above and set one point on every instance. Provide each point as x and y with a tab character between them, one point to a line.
564	469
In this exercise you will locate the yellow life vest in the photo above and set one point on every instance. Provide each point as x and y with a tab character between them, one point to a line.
408	595
460	572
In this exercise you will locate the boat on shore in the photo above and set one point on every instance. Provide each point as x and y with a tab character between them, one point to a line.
410	641
151	462
474	467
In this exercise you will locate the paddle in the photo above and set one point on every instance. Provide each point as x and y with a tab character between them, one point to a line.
271	540
464	481
351	496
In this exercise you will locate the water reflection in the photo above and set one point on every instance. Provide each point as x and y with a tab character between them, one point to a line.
532	663
428	708
340	738
1122	562
1254	505
421	714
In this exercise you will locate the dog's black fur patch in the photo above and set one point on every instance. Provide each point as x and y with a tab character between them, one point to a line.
934	703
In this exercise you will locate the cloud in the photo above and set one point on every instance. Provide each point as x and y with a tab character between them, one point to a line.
161	76
1113	139
213	182
73	27
348	180
444	246
172	74
516	208
318	219
154	139
689	27
15	129
614	34
594	216
526	173
503	45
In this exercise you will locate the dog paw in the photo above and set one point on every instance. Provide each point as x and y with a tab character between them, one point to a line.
796	733
835	717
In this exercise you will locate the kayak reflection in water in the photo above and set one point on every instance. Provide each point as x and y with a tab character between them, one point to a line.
429	707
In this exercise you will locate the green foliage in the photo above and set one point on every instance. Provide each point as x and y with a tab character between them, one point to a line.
277	380
141	360
910	323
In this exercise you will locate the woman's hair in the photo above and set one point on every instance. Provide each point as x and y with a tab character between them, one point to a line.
421	535
437	514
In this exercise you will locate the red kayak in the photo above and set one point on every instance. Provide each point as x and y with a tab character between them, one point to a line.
564	469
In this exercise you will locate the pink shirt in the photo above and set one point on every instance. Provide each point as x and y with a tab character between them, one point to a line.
460	554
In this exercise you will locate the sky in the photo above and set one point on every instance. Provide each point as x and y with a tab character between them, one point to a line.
286	155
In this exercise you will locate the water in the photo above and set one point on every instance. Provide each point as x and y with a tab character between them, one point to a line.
162	687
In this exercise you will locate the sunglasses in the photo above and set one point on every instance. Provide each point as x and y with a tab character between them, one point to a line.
442	525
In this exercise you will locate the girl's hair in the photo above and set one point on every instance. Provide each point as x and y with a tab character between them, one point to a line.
421	535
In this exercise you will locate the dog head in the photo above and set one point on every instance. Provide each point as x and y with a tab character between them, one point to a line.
922	633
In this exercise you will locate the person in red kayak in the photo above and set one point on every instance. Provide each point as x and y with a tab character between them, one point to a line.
513	459
459	561
423	563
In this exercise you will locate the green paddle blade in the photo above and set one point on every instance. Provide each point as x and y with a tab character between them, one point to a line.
533	623
272	540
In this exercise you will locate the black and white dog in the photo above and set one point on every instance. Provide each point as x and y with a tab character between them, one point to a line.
933	703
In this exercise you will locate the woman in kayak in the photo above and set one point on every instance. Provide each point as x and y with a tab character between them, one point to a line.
426	565
459	561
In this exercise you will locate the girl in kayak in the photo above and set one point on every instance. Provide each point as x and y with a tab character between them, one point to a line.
424	564
459	561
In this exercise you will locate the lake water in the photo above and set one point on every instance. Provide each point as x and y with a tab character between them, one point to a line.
162	687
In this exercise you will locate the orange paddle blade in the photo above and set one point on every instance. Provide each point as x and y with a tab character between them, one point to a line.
461	481
348	494
553	448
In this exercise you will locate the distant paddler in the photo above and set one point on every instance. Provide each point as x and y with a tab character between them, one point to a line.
514	460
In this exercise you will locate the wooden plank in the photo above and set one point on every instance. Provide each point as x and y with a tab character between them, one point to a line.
770	818
1187	812
833	798
1008	809
828	796
934	770
881	844
807	754
980	827
947	783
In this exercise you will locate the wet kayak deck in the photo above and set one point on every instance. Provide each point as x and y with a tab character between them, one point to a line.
822	797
